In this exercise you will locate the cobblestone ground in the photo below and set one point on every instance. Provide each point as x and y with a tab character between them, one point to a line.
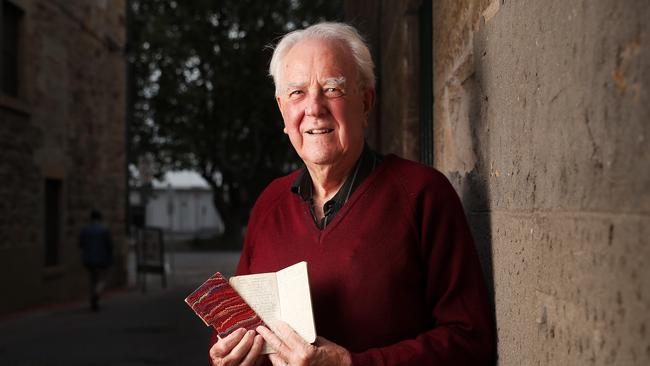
132	328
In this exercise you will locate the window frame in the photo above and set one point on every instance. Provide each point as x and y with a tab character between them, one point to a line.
14	90
52	221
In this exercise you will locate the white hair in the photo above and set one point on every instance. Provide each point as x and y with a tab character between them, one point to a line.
341	32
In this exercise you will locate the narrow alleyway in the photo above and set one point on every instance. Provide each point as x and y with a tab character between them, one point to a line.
132	328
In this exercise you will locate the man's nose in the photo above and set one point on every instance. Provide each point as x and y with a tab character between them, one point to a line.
315	104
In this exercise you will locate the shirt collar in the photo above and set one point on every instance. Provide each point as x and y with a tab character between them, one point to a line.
367	161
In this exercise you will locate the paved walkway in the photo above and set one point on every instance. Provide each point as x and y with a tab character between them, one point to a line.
132	329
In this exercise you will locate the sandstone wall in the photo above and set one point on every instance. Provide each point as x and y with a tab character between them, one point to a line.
541	122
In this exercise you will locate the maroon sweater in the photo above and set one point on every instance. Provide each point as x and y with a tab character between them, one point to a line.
394	277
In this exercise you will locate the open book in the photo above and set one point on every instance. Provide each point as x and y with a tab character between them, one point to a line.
252	300
282	295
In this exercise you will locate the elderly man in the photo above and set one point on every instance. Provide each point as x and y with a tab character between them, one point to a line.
394	274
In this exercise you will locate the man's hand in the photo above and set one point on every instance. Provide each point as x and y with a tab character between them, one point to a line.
292	350
240	348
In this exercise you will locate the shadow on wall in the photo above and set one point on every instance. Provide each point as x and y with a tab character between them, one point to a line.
473	186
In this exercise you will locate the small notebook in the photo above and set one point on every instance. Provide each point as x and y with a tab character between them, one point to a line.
251	300
221	307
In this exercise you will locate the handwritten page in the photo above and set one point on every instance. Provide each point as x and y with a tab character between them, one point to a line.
260	291
282	295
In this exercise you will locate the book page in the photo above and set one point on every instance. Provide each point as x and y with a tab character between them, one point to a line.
260	291
295	300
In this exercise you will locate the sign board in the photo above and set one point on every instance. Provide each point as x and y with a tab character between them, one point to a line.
150	255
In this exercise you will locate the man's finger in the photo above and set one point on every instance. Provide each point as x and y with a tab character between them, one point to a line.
274	341
289	336
277	360
225	345
254	352
320	341
241	349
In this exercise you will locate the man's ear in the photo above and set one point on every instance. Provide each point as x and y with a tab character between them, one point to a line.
279	101
368	103
368	100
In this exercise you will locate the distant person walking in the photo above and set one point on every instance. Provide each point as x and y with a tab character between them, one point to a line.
97	254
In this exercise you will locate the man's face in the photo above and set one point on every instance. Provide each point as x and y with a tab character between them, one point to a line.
324	111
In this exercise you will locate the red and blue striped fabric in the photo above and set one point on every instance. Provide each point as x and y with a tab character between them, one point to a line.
220	306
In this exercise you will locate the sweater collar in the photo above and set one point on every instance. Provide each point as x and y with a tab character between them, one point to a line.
303	187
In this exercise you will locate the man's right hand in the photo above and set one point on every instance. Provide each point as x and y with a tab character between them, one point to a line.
241	348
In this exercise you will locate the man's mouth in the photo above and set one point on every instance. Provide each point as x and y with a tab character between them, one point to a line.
319	131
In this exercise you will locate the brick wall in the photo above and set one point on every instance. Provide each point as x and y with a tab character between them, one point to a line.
67	124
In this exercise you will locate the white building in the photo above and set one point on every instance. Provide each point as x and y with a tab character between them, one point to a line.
181	204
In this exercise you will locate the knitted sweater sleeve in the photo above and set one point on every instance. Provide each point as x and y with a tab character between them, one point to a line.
462	329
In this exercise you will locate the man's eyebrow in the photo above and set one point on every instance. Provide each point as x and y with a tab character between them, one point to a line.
295	85
338	81
335	81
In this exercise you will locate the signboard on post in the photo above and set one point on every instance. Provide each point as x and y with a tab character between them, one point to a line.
150	255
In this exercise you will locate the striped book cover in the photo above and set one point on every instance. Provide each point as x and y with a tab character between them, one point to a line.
221	307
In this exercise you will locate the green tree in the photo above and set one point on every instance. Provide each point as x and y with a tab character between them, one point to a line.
202	98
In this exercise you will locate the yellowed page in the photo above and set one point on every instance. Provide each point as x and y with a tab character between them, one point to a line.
295	300
260	291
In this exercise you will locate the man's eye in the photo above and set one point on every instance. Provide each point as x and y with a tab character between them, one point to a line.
295	93
333	92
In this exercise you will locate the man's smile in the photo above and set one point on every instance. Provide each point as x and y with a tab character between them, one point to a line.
319	131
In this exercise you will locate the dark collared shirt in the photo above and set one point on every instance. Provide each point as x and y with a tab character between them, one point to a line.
303	186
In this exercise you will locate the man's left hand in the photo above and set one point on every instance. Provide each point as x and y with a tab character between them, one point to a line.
292	350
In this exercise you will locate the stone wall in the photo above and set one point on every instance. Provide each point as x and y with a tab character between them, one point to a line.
68	123
541	122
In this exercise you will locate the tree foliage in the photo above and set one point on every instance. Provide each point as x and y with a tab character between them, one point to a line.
202	98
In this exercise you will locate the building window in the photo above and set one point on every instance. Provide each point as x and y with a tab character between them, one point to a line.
52	237
12	17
